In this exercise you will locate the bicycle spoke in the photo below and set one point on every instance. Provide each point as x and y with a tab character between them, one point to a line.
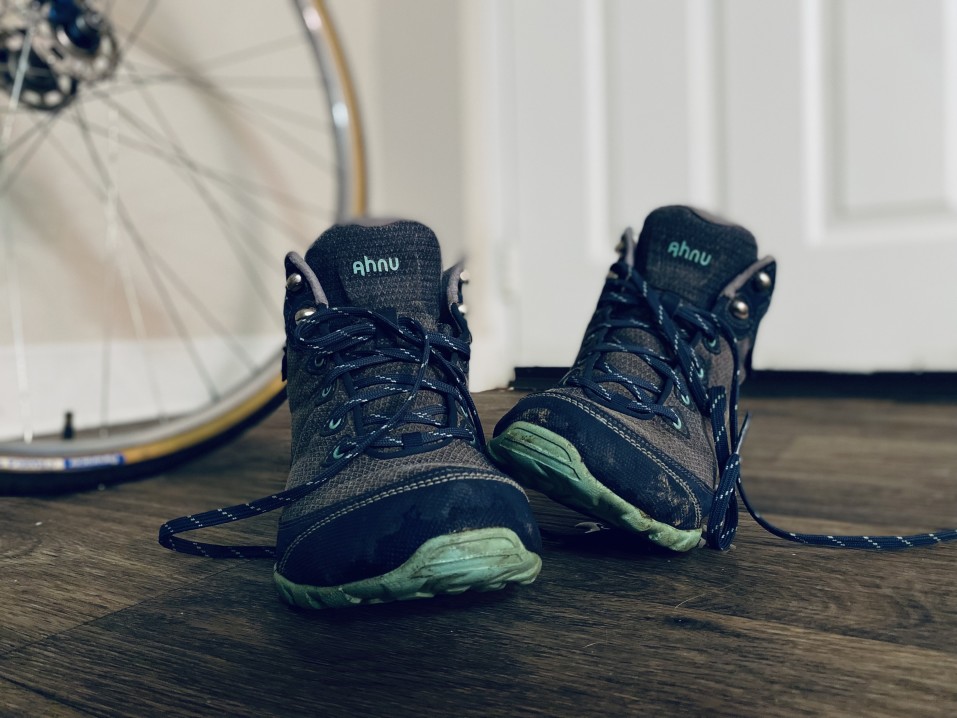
278	132
19	343
222	219
122	267
11	261
271	109
250	188
217	82
129	288
111	246
138	26
233	57
214	83
139	329
202	311
14	102
38	137
166	300
151	260
247	194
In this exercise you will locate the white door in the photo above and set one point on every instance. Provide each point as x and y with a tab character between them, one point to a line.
828	127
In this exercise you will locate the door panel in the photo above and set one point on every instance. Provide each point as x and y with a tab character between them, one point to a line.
828	163
828	128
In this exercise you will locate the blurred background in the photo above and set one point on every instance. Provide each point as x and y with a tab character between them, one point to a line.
529	134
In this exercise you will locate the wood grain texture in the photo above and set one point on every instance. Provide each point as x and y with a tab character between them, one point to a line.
97	619
16	701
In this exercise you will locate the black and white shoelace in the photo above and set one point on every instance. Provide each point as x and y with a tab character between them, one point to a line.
354	337
680	326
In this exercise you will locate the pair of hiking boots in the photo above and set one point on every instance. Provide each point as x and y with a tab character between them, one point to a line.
393	492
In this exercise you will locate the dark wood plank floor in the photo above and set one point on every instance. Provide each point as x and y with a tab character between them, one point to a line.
97	619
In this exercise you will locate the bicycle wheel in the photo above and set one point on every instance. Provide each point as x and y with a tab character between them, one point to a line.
157	161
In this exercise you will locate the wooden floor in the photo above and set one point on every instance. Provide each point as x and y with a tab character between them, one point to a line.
97	619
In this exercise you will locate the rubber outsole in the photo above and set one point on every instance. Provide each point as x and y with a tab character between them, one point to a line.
478	560
542	460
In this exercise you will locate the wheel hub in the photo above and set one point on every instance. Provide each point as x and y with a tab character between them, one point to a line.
72	43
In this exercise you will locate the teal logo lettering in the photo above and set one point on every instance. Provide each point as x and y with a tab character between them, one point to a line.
692	255
366	265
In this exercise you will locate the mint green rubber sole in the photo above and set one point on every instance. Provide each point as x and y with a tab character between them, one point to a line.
542	460
477	560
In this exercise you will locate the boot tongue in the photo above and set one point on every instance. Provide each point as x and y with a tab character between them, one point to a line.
380	264
692	253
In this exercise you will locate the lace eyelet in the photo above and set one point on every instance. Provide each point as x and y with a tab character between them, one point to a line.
712	343
326	392
336	454
700	372
333	425
740	309
685	399
677	424
304	313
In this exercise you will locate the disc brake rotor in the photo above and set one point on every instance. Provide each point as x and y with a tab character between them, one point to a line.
71	42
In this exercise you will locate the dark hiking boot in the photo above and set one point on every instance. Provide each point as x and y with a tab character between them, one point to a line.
390	495
642	430
403	503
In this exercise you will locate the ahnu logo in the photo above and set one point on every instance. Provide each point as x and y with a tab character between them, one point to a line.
366	265
692	255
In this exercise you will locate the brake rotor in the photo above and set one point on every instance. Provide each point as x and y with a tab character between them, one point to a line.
71	42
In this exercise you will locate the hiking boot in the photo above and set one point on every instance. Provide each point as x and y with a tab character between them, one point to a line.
402	502
390	495
642	432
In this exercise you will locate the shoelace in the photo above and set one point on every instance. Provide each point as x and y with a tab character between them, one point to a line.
359	339
679	327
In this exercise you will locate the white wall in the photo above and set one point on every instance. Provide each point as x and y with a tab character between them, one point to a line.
430	84
405	59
